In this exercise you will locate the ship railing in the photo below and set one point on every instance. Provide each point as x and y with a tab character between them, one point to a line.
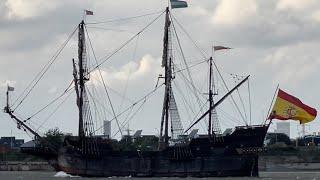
249	127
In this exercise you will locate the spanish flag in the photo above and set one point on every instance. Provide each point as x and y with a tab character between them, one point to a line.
289	107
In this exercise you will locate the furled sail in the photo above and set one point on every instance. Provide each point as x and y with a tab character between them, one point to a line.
215	122
176	125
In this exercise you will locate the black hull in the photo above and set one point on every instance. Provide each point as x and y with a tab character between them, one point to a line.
235	154
244	165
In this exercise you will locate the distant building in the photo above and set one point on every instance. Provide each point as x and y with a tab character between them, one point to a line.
11	142
107	128
283	127
276	138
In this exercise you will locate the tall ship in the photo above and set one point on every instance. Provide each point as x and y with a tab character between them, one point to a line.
175	153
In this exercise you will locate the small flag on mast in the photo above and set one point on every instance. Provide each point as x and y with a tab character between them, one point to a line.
10	88
88	12
178	4
217	48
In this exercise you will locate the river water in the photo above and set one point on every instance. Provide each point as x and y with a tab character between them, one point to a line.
34	175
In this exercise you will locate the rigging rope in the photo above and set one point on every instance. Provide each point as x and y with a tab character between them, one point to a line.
115	91
186	104
39	76
95	107
186	65
200	111
107	29
124	19
203	53
106	58
225	84
104	84
126	119
237	78
50	103
228	116
129	73
131	117
194	65
250	112
189	83
134	104
54	111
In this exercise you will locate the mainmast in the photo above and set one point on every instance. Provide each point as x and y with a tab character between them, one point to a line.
210	98
167	64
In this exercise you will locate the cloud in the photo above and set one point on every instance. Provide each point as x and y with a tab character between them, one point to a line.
295	4
316	16
293	64
232	12
7	82
22	9
146	67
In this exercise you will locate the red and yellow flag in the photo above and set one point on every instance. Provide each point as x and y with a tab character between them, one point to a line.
289	107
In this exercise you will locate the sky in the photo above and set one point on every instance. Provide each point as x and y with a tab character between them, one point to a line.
275	42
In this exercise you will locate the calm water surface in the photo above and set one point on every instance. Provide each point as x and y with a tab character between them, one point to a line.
33	175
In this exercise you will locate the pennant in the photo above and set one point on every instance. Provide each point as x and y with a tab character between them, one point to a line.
289	107
178	4
217	48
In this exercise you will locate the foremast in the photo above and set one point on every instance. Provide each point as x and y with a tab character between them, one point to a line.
81	76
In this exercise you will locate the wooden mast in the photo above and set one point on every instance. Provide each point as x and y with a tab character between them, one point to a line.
81	88
218	102
166	63
210	98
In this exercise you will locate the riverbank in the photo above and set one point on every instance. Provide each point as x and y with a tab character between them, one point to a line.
287	163
24	166
41	175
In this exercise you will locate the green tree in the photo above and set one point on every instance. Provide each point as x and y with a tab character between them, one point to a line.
55	137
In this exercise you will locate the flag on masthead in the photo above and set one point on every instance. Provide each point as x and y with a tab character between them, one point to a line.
89	12
10	88
178	4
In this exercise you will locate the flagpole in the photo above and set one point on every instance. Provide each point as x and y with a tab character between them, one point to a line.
84	15
7	97
11	139
212	50
274	95
303	130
